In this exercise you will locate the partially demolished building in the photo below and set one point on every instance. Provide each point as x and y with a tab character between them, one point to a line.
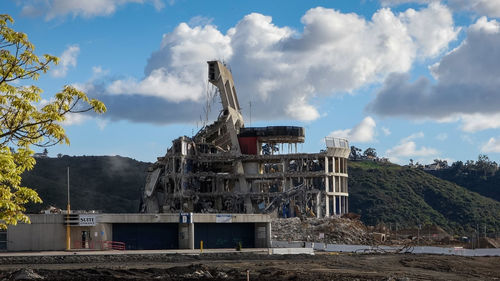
229	168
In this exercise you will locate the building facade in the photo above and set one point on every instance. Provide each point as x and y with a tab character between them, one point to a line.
47	232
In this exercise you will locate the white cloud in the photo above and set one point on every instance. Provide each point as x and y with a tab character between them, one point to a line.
413	136
466	88
478	122
407	148
386	131
97	70
362	132
442	136
78	8
75	119
200	20
492	146
67	60
467	139
280	70
101	123
172	87
422	26
489	8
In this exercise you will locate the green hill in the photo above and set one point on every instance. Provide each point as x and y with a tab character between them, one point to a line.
390	194
486	185
108	183
381	193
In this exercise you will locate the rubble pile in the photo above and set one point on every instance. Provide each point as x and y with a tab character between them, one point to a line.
331	230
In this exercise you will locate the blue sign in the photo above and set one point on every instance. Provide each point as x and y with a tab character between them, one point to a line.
186	217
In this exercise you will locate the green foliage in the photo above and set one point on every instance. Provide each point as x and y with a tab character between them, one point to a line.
111	184
387	193
370	152
24	122
480	176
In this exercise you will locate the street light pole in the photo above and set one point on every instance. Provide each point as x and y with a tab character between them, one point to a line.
68	232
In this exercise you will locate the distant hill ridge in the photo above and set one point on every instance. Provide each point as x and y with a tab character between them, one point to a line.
108	183
381	193
390	194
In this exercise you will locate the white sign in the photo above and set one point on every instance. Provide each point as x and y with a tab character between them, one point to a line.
86	220
223	218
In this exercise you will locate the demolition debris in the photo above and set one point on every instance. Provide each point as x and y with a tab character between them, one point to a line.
332	230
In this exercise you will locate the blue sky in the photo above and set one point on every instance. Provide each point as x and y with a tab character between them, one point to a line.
413	79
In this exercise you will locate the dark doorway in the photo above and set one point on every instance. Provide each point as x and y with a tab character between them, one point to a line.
147	236
224	235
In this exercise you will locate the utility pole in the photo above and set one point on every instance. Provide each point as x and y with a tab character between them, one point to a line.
250	102
68	231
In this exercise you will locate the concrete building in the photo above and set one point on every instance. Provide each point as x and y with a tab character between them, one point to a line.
229	168
47	232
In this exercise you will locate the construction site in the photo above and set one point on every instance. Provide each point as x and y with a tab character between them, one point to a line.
227	167
240	203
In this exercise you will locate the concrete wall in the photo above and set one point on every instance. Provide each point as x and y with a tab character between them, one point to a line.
137	218
235	218
48	232
45	233
95	236
263	235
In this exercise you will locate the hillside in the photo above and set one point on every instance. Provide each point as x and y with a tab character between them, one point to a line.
486	185
107	183
387	193
381	193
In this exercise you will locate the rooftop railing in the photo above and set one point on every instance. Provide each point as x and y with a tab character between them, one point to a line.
336	142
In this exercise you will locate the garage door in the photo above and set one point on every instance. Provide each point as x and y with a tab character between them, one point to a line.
224	235
147	236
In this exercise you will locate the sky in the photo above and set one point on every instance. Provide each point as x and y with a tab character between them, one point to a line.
414	79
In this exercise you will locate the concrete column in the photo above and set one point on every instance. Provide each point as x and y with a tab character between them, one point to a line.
327	205
340	205
262	235
191	236
186	235
268	234
317	207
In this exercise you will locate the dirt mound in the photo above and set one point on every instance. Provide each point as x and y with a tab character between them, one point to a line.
25	274
327	230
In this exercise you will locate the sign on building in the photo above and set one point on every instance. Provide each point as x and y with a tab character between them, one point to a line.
224	218
186	217
86	220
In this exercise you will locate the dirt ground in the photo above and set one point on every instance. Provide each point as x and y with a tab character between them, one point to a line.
260	266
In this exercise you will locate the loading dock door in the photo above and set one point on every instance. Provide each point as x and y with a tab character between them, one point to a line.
224	235
147	236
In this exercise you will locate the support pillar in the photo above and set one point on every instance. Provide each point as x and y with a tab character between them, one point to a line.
318	205
268	234
340	205
191	235
327	205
